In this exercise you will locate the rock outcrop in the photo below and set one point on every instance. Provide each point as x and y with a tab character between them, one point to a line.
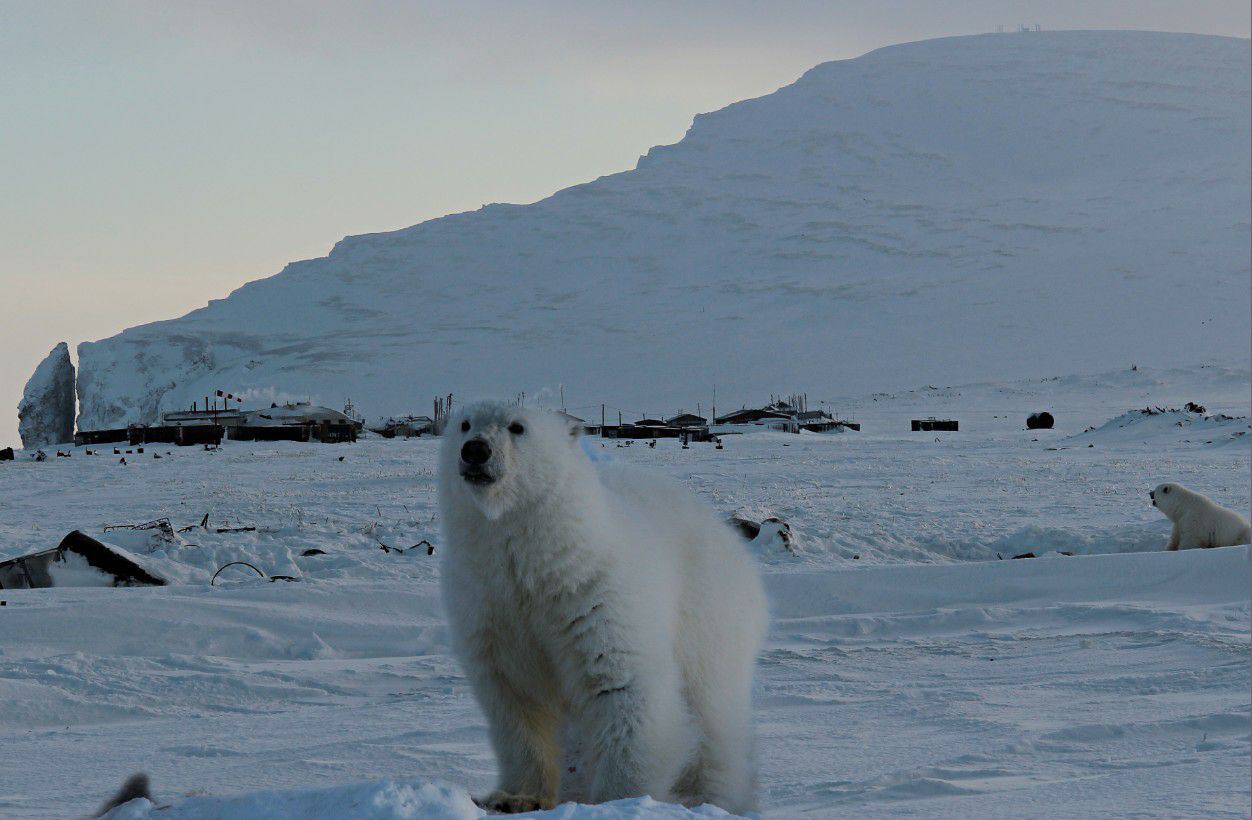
45	415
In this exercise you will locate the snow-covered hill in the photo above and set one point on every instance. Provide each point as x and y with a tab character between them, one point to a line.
956	210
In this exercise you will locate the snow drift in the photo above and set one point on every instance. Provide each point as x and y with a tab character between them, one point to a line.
1053	202
1169	426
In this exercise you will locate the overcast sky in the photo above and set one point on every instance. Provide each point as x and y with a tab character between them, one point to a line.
159	154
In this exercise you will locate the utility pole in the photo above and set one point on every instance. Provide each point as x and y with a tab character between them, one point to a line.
602	419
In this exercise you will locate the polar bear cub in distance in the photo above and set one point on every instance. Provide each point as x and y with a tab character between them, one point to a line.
601	603
1198	520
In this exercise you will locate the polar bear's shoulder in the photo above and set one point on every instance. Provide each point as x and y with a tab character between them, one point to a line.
643	492
627	479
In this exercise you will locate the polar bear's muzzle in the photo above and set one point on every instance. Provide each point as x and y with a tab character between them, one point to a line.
475	454
1152	495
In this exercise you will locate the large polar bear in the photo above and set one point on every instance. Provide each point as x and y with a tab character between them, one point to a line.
600	603
1198	520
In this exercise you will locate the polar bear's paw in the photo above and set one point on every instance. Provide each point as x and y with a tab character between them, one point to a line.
506	803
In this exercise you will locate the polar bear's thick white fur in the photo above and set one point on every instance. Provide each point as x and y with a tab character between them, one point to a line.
1198	520
598	602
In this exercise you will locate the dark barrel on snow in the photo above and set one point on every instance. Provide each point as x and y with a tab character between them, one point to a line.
1040	421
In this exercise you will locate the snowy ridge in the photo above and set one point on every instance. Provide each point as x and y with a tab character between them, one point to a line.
1162	425
946	211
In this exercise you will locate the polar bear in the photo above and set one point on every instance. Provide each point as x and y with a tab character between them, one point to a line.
1198	520
597	602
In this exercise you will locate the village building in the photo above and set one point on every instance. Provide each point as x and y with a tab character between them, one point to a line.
109	436
932	424
405	427
683	420
819	421
226	417
771	417
296	421
183	435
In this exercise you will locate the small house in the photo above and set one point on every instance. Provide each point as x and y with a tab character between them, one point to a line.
298	421
753	416
407	426
819	421
195	417
770	418
101	436
935	425
687	420
184	435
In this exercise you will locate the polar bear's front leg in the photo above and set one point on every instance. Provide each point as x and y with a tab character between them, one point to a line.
639	733
1174	539
524	737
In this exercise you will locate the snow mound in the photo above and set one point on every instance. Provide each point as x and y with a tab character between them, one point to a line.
371	801
888	209
386	800
1169	425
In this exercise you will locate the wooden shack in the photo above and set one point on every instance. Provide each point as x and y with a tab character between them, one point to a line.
642	431
819	421
406	427
101	436
935	425
184	435
299	421
774	417
687	420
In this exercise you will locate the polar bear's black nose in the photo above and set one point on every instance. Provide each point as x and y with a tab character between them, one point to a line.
475	451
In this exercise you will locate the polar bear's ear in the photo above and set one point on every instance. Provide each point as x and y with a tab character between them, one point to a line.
573	426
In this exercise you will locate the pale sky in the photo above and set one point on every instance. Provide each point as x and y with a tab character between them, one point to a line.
159	154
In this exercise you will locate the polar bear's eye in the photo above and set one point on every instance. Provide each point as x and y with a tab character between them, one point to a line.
516	429
465	426
1166	489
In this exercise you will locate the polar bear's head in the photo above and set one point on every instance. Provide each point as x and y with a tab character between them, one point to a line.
1169	498
498	456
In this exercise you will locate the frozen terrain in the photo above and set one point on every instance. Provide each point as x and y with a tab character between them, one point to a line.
1059	202
908	671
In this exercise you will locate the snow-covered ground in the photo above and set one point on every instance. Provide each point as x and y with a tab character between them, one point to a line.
908	680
